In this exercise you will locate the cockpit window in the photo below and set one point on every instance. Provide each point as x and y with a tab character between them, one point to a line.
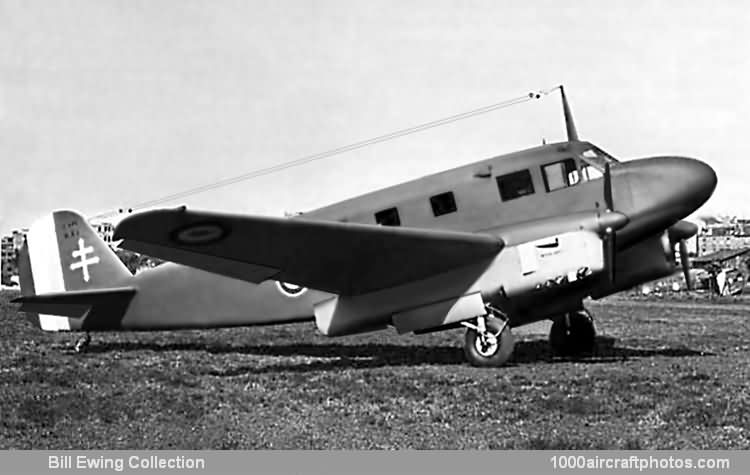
560	174
594	160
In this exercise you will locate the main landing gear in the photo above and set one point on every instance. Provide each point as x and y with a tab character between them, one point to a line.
82	343
489	341
573	334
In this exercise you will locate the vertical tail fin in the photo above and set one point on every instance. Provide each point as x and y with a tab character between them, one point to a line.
63	253
66	254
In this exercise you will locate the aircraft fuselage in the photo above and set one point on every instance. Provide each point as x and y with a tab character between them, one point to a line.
549	193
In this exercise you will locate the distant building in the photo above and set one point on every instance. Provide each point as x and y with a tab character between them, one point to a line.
7	259
6	246
19	237
10	245
722	229
727	236
7	272
712	244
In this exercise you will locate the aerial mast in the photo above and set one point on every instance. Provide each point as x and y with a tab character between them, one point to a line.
570	126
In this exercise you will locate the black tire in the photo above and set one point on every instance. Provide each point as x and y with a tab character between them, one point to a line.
492	355
574	335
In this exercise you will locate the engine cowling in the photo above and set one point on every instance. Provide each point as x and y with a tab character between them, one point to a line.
648	260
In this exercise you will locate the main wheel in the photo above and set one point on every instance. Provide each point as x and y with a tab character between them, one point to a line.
573	334
492	347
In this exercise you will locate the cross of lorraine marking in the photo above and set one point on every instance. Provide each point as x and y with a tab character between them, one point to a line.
84	263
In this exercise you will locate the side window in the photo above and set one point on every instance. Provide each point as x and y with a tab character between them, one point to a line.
560	174
514	185
443	203
388	217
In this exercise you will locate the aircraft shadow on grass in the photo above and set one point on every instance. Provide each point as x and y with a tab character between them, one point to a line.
340	356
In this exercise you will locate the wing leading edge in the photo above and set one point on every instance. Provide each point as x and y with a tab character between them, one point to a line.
341	258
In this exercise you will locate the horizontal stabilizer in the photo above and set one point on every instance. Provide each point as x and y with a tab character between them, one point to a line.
86	298
102	308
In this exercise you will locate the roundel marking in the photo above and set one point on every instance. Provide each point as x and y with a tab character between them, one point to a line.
202	233
290	290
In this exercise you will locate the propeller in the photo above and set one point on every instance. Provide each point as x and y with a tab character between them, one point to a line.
608	239
608	200
679	233
685	262
610	220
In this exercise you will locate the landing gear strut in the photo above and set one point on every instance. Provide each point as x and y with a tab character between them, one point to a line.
573	334
82	344
489	341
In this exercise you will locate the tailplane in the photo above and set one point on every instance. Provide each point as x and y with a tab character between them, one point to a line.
66	270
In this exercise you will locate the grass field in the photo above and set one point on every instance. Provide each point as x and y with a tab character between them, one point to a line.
665	375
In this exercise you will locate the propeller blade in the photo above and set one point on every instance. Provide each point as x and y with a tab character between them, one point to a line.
685	262
608	240
608	188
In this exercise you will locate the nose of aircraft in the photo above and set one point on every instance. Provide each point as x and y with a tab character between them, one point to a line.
687	183
662	190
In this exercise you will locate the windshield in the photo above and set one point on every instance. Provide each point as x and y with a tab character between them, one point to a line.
597	157
593	161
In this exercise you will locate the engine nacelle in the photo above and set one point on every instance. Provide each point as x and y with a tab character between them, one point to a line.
648	260
533	267
550	263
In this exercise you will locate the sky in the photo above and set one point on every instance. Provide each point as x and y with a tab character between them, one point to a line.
105	104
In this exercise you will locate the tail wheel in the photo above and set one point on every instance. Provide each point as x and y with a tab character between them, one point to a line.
573	334
82	344
490	343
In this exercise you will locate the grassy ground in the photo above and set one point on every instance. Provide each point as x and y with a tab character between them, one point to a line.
666	374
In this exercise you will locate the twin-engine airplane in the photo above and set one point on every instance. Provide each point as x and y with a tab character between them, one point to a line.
488	246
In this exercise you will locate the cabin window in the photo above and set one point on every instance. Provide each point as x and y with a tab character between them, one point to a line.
388	217
443	203
560	174
514	185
